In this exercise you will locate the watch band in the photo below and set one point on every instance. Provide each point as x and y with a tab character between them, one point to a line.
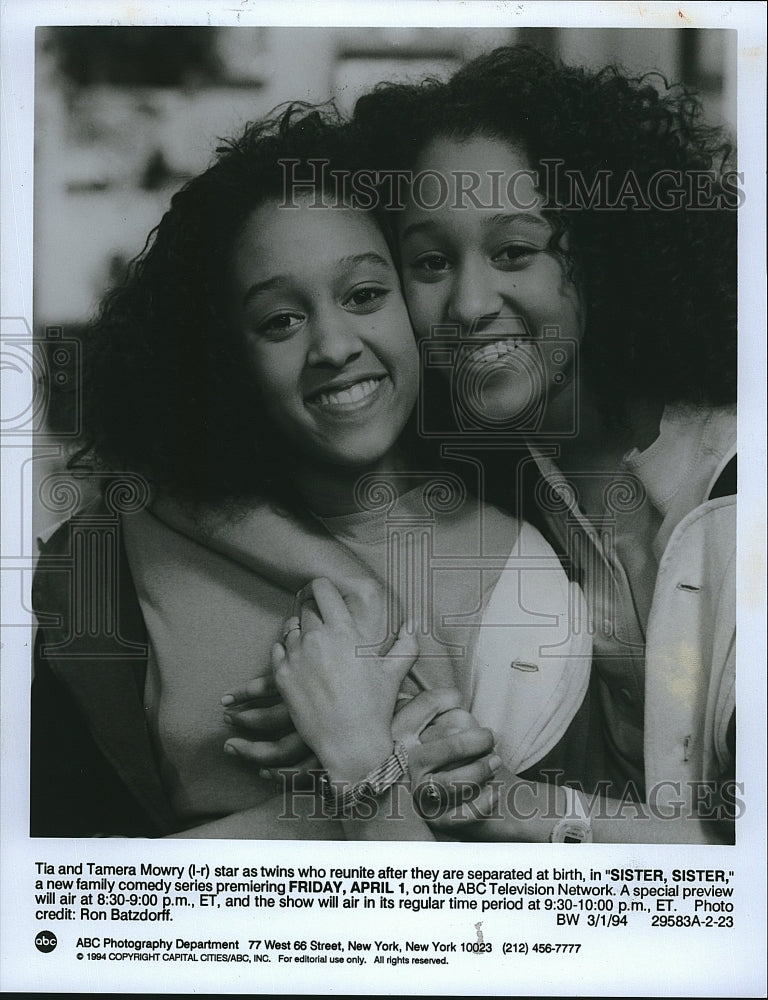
576	825
341	804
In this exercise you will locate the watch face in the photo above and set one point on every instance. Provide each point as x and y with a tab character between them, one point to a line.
572	832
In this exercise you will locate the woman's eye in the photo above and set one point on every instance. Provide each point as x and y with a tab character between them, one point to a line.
430	265
280	325
366	298
516	254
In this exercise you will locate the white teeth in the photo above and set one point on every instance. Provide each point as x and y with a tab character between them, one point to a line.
494	351
352	394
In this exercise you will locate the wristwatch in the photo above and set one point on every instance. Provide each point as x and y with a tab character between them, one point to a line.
341	803
576	826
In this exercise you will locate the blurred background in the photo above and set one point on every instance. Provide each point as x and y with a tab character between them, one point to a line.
124	115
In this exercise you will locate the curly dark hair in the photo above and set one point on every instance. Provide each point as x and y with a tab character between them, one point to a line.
166	389
659	283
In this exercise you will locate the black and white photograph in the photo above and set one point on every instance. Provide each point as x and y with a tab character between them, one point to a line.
370	491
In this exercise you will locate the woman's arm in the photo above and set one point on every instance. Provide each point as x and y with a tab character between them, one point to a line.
529	812
286	550
343	707
298	812
288	816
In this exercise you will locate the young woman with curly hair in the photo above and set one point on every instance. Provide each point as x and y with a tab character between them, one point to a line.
566	240
260	353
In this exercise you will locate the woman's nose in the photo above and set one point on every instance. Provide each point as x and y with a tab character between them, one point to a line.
335	342
474	300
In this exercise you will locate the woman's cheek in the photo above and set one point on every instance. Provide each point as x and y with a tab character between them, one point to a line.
254	357
424	307
274	378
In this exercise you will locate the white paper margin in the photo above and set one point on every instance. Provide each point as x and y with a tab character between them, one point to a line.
656	962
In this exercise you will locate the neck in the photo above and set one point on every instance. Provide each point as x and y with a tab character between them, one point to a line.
329	491
598	445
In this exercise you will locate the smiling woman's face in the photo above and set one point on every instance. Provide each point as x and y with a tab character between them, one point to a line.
482	265
327	334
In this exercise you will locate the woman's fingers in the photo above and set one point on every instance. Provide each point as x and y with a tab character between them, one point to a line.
414	717
298	600
369	609
333	610
302	775
271	720
454	720
285	752
256	688
292	632
453	770
464	818
310	617
443	790
401	657
450	752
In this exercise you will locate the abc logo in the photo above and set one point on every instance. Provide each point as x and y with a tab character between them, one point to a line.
45	941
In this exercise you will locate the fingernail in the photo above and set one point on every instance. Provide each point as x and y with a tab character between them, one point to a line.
495	762
228	748
228	719
227	699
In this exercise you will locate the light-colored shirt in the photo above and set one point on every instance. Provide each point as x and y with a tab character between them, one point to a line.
211	624
615	554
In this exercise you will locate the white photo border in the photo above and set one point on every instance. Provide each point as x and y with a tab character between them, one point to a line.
654	964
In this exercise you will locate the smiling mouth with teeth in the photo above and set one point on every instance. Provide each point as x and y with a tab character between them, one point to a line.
351	394
496	351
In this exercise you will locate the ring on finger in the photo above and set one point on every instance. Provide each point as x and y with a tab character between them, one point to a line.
292	625
431	791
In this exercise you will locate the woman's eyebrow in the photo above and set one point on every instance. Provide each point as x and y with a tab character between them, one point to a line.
281	280
513	218
364	258
258	287
417	227
500	219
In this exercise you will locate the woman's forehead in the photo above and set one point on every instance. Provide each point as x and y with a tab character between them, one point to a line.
487	178
307	239
472	152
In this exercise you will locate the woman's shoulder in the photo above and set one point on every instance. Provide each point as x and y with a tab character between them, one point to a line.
54	539
497	532
55	550
500	530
